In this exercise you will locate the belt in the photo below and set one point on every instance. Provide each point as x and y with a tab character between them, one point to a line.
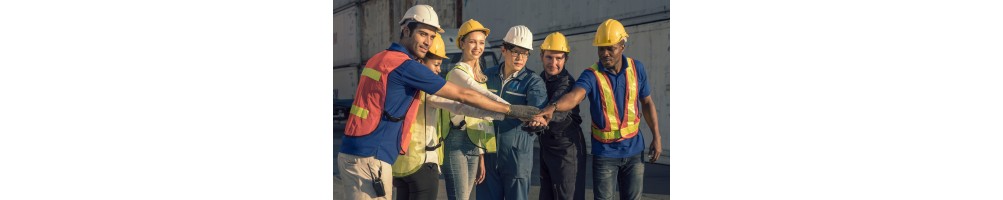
437	145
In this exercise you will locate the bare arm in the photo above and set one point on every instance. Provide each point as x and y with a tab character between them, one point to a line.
651	117
470	97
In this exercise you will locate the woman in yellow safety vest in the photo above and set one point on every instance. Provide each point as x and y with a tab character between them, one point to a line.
416	174
468	137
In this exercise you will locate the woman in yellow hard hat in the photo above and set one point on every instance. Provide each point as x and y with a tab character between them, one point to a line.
468	138
416	174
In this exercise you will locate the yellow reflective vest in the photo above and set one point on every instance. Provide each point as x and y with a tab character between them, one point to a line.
617	129
481	132
427	122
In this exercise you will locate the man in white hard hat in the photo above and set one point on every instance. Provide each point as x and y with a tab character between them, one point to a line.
509	170
617	88
386	104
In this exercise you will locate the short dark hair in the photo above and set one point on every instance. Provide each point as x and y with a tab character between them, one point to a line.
411	25
508	46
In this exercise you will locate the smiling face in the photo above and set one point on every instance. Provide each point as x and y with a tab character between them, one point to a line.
553	61
610	56
433	63
419	40
473	45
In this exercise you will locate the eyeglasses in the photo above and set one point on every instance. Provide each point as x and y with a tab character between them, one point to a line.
524	54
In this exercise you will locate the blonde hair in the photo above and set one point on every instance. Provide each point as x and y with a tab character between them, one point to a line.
479	73
476	67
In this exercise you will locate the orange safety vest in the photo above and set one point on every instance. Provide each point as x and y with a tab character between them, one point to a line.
617	129
370	96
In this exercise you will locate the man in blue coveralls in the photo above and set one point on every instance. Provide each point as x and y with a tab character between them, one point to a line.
617	86
509	170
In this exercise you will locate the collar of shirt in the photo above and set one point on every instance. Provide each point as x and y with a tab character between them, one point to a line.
501	73
398	47
623	65
552	78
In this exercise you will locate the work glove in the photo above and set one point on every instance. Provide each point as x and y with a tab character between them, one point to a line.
523	112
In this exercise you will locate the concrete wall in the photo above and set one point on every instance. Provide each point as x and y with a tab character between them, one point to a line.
346	37
446	9
548	16
376	27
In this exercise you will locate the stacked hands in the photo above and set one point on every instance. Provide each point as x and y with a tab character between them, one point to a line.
534	119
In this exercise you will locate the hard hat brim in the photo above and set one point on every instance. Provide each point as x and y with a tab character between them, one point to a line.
438	29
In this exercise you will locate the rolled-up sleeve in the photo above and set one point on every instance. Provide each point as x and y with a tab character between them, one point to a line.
537	92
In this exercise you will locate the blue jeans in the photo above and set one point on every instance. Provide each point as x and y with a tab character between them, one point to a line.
626	173
460	165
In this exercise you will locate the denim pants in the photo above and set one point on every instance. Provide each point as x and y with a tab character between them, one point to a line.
611	173
460	164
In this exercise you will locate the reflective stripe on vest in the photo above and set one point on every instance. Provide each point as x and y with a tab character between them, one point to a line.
411	162
370	98
617	129
480	132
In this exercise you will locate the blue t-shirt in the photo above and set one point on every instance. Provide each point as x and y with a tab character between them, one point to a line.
402	85
587	81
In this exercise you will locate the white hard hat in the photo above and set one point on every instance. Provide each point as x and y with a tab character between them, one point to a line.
520	36
424	14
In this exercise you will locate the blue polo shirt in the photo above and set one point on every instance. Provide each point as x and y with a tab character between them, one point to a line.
587	81
402	85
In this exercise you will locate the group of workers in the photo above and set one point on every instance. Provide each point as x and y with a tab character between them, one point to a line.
480	123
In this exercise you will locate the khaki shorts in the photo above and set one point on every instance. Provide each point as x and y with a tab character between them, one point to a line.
357	180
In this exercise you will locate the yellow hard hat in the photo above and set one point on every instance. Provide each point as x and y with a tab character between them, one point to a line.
438	47
469	26
609	33
555	42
